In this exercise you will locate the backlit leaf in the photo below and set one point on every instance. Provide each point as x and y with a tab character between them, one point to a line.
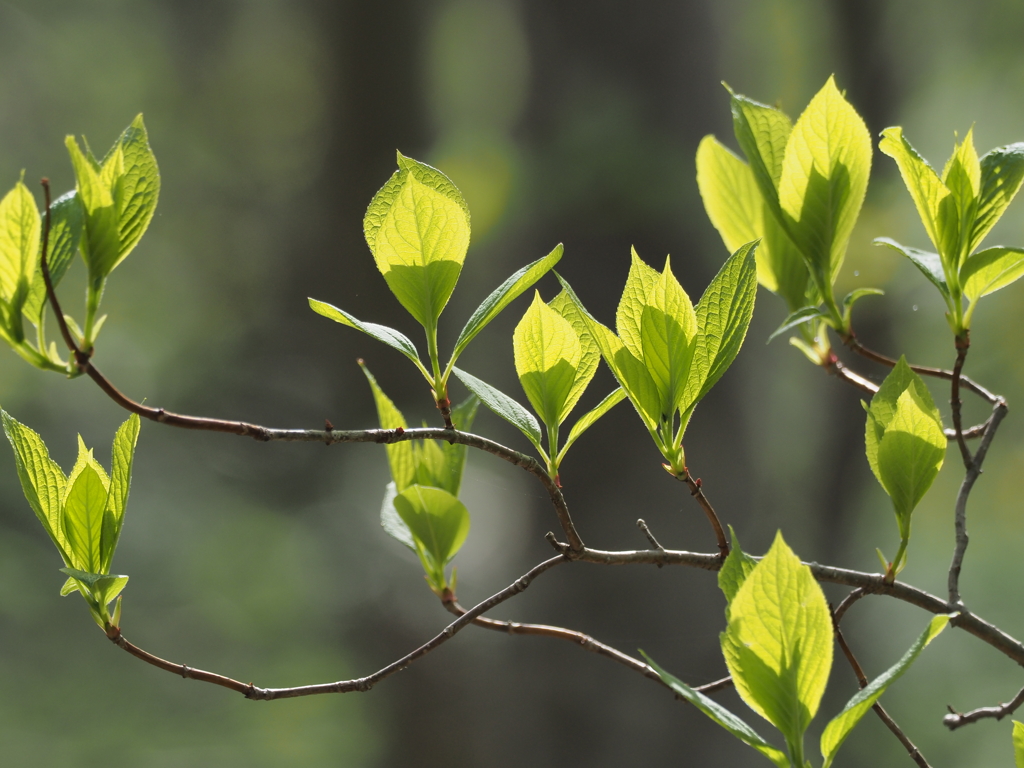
19	247
400	455
1002	171
122	458
547	355
503	405
438	521
930	264
737	566
67	219
391	337
588	419
987	271
83	518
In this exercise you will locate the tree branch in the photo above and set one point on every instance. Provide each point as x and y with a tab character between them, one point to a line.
956	719
361	684
963	343
697	493
973	472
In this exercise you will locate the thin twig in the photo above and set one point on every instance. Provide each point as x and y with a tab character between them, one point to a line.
973	473
360	684
862	680
963	343
698	493
650	536
939	373
956	719
584	641
48	280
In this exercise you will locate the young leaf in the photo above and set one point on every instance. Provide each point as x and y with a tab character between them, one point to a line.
929	263
668	333
853	296
590	358
66	222
502	296
103	587
417	227
1002	171
401	456
723	316
588	419
41	479
962	177
1018	744
640	285
391	521
722	716
503	405
824	178
136	190
801	316
463	416
438	521
19	250
83	518
778	645
547	355
123	454
987	271
389	336
840	726
737	566
763	133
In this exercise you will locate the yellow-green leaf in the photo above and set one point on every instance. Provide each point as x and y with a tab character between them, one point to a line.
987	271
83	518
1018	744
667	333
547	355
19	247
401	457
962	177
636	294
122	458
1002	171
763	133
590	356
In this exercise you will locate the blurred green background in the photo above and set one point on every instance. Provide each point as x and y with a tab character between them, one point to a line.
274	123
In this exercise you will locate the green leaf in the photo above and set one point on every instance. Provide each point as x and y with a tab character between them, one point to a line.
853	296
824	179
929	263
1018	744
438	521
763	133
723	316
391	521
136	190
463	416
123	454
935	203
737	566
590	357
588	419
19	250
910	454
389	336
103	587
1002	171
401	456
840	726
987	271
67	219
801	316
667	338
502	296
547	354
83	518
722	716
42	480
778	645
503	405
417	227
962	177
640	285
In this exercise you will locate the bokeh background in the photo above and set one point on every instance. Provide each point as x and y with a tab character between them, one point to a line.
274	122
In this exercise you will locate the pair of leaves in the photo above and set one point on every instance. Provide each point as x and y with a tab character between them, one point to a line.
421	507
83	512
668	354
958	209
119	195
801	190
778	647
904	440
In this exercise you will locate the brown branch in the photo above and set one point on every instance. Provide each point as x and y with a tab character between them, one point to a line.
960	523
939	373
956	719
697	492
360	684
862	680
584	641
963	343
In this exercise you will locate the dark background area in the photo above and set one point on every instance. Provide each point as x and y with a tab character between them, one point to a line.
274	123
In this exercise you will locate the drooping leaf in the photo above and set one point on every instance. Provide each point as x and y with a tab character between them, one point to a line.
502	296
778	645
19	249
66	222
389	336
853	297
1002	171
794	319
41	479
929	263
588	419
987	271
502	405
83	518
122	458
417	227
438	521
401	456
824	178
391	521
547	354
840	726
737	566
722	716
723	316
